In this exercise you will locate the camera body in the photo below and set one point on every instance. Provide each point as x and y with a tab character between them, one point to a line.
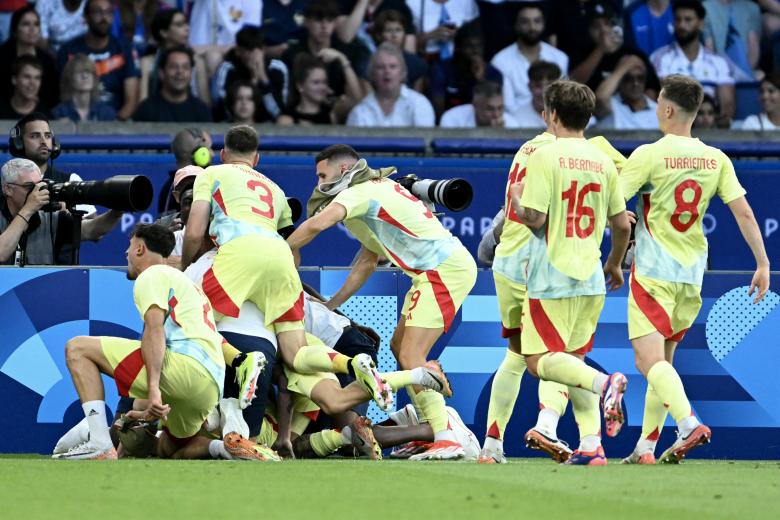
453	194
121	193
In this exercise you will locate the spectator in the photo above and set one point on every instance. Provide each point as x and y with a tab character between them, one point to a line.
25	39
247	61
216	22
31	236
392	103
769	119
649	25
174	103
707	116
61	21
282	23
621	102
133	21
453	80
81	93
493	17
359	16
116	61
7	8
540	75
26	73
436	22
733	28
241	102
310	98
608	49
184	146
485	110
513	61
171	29
183	183
390	26
571	17
687	55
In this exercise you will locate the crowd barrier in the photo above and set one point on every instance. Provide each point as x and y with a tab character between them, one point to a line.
728	360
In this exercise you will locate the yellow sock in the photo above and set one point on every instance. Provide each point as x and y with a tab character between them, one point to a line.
431	407
654	416
567	370
229	352
553	396
318	358
398	379
325	442
585	405
669	388
503	393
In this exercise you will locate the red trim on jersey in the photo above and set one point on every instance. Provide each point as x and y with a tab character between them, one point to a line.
646	211
508	333
172	303
443	298
552	340
652	310
385	216
219	201
312	415
127	370
679	336
294	313
332	355
401	264
587	347
217	296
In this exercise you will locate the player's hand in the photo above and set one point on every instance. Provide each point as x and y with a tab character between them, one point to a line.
631	217
156	407
759	283
613	275
516	189
284	448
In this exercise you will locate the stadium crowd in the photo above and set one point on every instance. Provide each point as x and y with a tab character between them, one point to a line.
385	63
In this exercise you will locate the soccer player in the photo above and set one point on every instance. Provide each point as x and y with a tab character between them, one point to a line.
392	223
245	212
569	192
177	367
675	179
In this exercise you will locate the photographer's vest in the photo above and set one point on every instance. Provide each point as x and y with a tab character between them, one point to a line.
40	236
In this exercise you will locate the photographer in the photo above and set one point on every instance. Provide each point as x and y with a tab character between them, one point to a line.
30	235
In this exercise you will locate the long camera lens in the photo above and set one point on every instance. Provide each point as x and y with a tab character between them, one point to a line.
453	194
120	192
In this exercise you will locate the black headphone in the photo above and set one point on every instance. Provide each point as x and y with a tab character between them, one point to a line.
201	155
16	143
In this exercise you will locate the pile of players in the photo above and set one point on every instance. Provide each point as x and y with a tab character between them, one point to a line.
235	324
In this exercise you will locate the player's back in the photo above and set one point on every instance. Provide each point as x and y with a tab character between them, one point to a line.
243	201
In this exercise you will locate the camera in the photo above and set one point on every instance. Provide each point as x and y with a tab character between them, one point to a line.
453	194
120	192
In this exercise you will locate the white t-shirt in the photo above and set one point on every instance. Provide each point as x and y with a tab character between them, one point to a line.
88	209
527	117
178	235
708	68
250	321
758	122
462	116
426	16
59	25
514	66
410	109
623	118
323	323
216	22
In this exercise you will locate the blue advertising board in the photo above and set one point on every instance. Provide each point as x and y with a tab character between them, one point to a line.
728	360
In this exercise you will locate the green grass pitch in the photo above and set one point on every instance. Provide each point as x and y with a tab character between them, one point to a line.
36	487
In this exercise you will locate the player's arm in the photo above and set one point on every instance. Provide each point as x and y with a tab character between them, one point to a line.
635	172
752	235
364	265
621	234
153	352
532	218
315	225
194	231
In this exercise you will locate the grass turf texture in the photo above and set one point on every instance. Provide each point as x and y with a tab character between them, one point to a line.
35	487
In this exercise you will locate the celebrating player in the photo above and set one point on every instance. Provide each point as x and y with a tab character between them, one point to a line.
566	198
675	178
247	211
392	223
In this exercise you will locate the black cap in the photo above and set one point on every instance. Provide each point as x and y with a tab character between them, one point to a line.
596	10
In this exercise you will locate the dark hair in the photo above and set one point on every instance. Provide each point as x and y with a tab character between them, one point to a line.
232	94
25	60
128	19
162	21
166	53
250	37
683	91
385	17
573	102
773	79
541	70
336	151
241	139
712	101
88	5
695	5
487	89
467	32
321	10
302	67
532	5
158	238
16	18
30	118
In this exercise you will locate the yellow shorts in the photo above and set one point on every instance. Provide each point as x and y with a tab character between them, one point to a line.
261	270
560	325
511	297
185	385
268	432
436	295
666	307
304	384
304	412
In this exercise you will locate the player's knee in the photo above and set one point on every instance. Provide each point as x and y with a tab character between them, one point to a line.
330	405
532	366
74	349
408	360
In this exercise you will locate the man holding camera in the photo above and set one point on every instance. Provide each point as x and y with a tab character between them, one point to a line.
391	222
31	231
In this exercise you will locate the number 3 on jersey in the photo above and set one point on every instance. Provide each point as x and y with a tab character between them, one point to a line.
516	175
265	196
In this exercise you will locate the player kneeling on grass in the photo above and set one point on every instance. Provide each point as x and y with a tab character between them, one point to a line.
569	193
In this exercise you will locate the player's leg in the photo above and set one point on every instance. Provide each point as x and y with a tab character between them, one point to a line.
585	406
553	399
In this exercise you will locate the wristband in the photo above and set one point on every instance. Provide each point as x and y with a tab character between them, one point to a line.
22	217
